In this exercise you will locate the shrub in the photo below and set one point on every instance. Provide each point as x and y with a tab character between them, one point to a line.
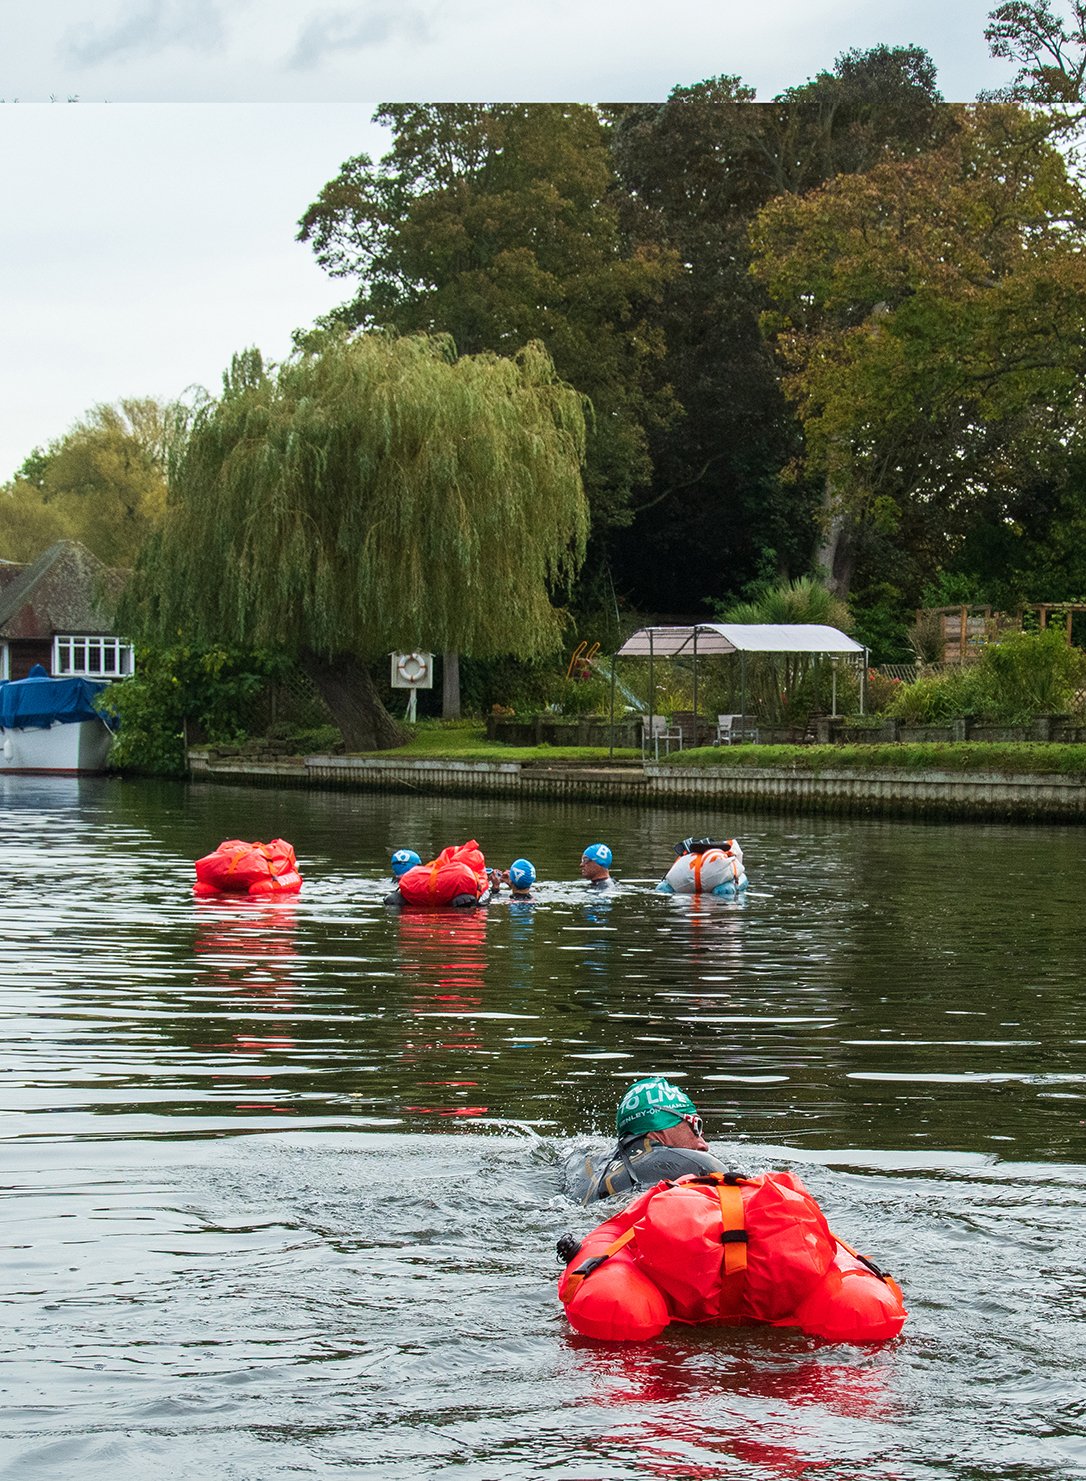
210	689
1022	676
880	692
1030	674
583	696
936	699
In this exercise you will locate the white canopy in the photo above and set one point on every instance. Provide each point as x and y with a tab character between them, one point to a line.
737	637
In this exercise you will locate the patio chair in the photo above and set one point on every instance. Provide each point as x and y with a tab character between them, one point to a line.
730	728
657	728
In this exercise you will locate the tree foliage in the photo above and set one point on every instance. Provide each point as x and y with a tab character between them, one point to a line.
103	483
498	225
1048	46
372	494
698	168
931	315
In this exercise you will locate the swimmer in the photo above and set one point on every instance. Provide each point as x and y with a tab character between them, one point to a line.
596	867
659	1136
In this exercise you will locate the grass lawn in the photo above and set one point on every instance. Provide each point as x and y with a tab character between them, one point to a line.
1015	758
465	740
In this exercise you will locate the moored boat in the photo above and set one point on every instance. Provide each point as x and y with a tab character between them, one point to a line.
52	725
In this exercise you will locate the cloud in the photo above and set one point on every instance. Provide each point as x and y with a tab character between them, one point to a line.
343	31
147	28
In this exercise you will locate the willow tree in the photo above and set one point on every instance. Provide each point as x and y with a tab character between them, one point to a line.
372	494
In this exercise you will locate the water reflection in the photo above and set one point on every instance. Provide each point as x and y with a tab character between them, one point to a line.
442	962
690	1407
247	956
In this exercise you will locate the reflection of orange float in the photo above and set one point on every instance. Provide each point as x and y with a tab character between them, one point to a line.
258	869
717	1248
458	870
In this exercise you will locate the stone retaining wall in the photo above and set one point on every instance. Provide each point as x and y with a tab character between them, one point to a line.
886	791
880	791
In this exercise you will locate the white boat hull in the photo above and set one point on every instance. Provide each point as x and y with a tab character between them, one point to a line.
82	746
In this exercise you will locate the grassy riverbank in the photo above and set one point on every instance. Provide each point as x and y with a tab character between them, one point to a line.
465	740
1013	758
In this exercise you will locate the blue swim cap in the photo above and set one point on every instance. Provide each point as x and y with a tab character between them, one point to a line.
598	853
403	860
522	874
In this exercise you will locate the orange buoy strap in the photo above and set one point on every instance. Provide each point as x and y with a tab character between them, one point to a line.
581	1274
733	1234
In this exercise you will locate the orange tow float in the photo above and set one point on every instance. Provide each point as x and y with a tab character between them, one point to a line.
256	869
725	1249
457	871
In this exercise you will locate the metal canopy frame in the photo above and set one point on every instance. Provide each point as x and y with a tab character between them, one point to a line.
712	638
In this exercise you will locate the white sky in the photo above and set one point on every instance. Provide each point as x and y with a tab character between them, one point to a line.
148	230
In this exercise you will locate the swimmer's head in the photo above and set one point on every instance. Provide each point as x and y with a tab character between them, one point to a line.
403	860
653	1104
521	874
597	855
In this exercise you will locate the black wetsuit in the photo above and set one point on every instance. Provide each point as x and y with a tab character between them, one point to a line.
637	1163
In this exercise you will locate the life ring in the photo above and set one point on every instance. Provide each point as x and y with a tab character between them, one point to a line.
413	668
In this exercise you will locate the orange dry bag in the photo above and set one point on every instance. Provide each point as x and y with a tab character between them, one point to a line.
238	868
717	1248
606	1296
459	869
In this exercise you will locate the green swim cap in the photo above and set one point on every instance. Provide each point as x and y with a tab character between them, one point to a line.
652	1105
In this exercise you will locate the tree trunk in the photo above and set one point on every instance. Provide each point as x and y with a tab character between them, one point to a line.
836	554
345	685
450	685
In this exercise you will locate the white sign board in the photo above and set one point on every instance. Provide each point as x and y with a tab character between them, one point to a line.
412	671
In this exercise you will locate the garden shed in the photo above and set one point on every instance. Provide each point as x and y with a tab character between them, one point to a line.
700	640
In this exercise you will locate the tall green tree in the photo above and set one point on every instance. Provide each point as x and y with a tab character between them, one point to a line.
697	169
932	317
371	494
499	224
1048	46
103	483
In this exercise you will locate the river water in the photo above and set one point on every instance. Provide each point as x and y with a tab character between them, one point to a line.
281	1183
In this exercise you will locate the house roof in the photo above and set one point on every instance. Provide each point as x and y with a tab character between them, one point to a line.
10	571
66	590
737	637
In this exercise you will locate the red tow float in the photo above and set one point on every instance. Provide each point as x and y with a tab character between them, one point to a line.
255	869
718	1248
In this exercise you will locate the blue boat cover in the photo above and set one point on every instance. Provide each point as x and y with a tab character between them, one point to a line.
38	700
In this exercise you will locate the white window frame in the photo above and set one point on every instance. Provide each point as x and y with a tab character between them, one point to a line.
92	656
5	660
